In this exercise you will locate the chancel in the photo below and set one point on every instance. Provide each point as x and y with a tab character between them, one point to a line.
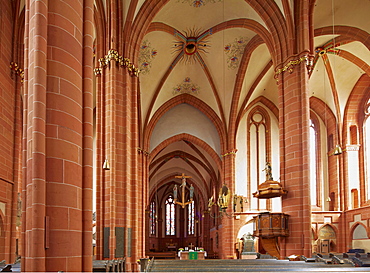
136	135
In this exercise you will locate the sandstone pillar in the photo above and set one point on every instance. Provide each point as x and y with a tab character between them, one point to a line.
294	155
227	231
58	121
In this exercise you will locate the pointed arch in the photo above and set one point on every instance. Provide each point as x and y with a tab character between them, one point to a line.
193	101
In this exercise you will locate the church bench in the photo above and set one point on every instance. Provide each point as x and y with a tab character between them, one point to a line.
361	262
109	265
162	255
6	268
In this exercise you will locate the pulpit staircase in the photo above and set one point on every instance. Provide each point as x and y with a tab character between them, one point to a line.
271	246
250	265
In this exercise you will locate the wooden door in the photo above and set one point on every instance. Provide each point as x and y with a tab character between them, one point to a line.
325	246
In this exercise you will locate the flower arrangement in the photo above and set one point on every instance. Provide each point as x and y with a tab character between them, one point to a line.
181	249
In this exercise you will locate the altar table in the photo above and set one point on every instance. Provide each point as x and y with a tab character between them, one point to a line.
192	255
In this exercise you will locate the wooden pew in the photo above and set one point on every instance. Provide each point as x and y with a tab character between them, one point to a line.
163	255
109	265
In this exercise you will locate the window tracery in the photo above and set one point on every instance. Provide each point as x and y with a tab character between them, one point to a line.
152	217
170	215
191	218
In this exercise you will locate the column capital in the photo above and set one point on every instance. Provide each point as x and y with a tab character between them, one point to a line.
292	61
121	61
232	152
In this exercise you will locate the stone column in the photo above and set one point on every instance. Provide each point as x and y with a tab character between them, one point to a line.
228	226
120	204
294	155
58	167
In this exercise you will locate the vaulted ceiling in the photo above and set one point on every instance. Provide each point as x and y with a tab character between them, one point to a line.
216	56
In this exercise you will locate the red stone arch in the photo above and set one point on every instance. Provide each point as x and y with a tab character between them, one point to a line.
321	109
331	226
354	114
319	179
190	138
195	102
270	15
100	31
203	191
333	245
266	103
347	34
353	228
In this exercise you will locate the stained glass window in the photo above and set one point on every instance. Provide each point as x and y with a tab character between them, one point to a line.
152	217
170	216
191	219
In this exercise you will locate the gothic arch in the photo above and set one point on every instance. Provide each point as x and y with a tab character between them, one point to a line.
190	138
196	103
332	240
328	225
355	226
319	177
348	34
203	191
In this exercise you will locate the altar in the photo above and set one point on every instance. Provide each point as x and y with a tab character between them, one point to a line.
192	255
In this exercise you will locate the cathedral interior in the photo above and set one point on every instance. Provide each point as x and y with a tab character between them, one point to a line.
130	129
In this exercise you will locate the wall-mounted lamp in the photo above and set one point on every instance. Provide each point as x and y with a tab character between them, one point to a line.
106	165
222	202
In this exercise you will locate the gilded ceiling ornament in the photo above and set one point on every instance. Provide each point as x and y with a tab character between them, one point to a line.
234	51
291	64
186	87
18	71
146	56
232	152
198	3
113	55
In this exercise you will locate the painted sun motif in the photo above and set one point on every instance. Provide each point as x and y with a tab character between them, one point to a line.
234	51
146	55
186	87
198	3
189	45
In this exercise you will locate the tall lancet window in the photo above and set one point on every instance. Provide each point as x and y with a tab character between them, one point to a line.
153	218
259	149
170	216
367	148
313	163
191	218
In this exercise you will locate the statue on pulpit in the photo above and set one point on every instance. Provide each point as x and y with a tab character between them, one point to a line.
268	171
